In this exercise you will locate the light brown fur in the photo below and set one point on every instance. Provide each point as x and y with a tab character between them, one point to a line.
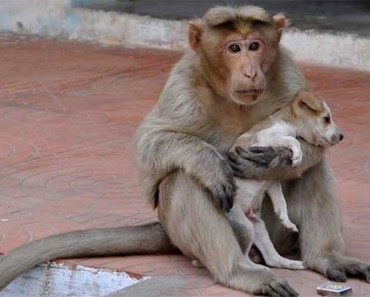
180	149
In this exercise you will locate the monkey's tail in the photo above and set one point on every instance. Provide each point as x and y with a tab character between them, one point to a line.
144	239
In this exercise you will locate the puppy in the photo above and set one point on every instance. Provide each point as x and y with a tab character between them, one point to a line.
307	117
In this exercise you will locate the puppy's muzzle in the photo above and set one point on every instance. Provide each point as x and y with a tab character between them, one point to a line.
337	137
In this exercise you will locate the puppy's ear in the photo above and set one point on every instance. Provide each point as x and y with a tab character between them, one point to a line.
195	33
308	100
281	22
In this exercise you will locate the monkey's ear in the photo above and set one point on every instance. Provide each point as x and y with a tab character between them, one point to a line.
196	28
281	22
308	100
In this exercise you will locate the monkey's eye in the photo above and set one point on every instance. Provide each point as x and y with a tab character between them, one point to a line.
254	46
327	119
234	48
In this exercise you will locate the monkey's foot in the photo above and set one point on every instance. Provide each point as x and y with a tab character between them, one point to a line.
276	288
341	267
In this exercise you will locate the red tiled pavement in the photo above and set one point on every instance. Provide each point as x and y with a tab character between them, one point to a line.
68	113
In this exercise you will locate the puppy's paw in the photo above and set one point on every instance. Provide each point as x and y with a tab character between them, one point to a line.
296	265
288	224
296	157
196	263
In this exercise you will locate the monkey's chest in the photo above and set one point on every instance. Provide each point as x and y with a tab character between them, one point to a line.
223	137
223	131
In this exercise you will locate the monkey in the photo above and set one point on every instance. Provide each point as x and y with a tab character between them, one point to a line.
235	74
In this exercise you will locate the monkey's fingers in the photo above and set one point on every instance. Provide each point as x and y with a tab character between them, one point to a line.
260	156
277	288
261	149
222	186
242	168
359	270
238	165
283	158
234	159
224	195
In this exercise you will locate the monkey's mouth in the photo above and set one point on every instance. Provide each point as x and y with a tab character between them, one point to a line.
249	92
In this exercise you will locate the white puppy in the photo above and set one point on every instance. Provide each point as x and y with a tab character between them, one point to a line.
307	117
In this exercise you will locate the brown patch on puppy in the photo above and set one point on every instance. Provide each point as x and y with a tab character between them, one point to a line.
309	102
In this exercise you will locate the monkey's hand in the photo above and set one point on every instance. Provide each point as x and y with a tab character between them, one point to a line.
218	178
273	163
252	162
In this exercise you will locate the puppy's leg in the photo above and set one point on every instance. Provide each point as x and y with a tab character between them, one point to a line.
280	207
242	227
244	231
270	255
201	231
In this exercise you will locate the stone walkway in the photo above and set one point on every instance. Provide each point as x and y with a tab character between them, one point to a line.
68	113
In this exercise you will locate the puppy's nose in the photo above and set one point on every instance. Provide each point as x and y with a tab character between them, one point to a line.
341	136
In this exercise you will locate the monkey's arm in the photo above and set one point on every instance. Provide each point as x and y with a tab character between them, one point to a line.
280	166
164	151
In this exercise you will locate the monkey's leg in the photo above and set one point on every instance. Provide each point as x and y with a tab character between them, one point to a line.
201	231
270	255
278	200
315	203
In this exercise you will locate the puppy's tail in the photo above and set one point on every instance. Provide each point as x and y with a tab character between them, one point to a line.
144	239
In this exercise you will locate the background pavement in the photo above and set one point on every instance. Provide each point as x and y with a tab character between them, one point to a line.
68	113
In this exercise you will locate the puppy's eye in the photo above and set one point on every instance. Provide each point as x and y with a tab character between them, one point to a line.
234	48
327	120
254	46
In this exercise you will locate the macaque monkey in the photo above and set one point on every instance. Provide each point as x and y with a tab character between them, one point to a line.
234	75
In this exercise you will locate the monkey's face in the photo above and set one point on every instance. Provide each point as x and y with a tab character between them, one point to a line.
317	125
239	60
236	50
248	61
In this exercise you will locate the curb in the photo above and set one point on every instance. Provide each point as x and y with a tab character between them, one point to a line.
58	19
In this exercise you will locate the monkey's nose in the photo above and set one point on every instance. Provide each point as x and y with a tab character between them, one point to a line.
341	136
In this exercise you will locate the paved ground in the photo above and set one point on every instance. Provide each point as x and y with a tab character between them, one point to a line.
68	113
